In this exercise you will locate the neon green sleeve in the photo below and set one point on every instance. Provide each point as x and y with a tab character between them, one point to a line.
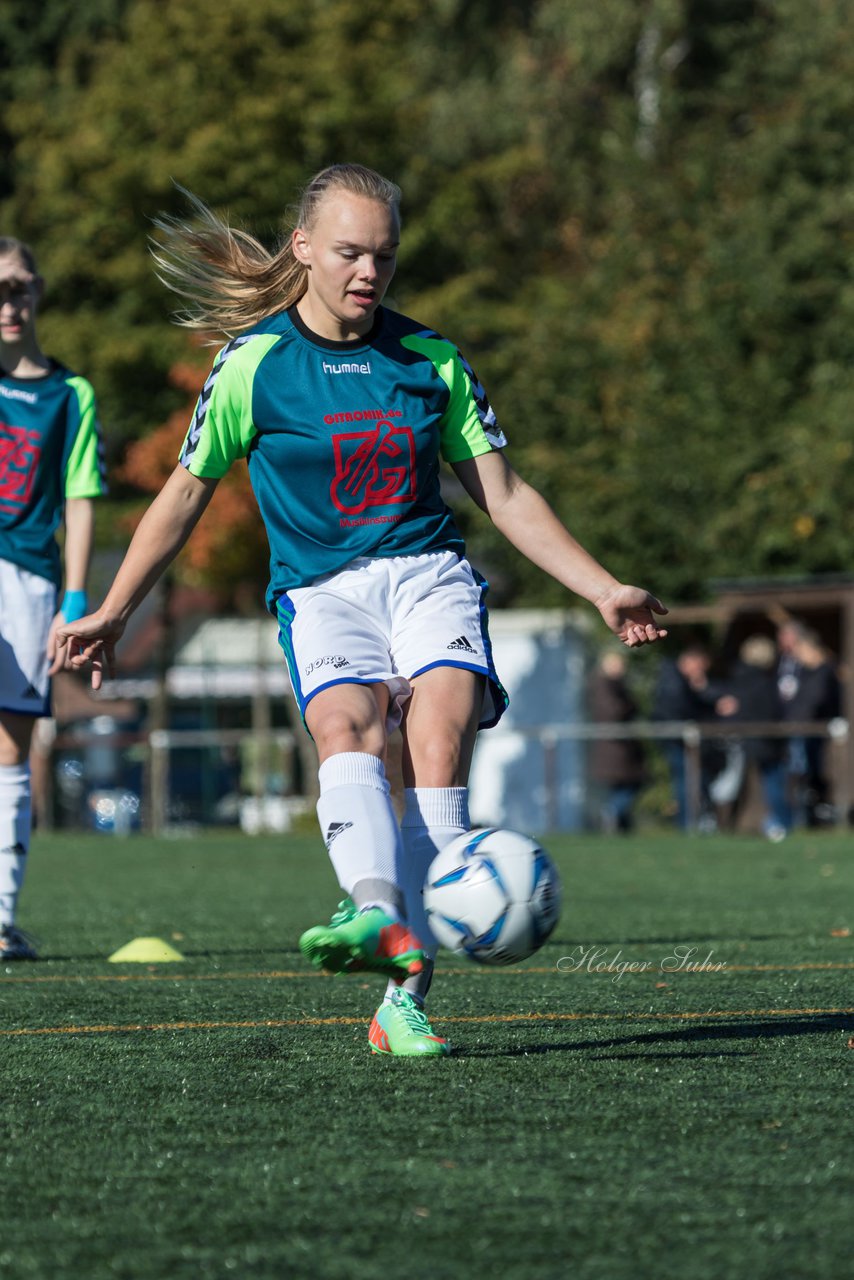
85	475
469	427
222	428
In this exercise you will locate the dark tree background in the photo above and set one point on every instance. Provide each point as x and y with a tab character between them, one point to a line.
636	219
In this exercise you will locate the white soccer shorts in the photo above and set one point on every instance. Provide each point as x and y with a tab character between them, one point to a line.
27	608
388	621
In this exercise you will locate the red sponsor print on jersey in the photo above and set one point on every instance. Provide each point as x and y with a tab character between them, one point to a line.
19	458
373	468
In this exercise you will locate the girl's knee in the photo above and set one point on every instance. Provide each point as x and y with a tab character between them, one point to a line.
351	721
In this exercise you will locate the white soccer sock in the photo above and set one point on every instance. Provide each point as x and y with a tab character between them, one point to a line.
15	818
432	818
360	829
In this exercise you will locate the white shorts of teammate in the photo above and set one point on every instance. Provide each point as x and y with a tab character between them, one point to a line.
27	608
388	621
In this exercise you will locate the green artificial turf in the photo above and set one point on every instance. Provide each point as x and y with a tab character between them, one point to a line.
609	1112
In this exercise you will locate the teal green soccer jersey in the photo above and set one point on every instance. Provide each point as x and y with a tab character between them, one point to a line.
343	440
50	450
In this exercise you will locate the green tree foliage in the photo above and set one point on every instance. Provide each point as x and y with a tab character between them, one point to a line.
32	39
691	346
636	219
239	106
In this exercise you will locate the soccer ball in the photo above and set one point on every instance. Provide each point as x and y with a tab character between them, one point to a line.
492	895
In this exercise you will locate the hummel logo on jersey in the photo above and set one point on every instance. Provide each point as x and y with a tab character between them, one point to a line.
463	644
28	397
347	367
334	829
31	692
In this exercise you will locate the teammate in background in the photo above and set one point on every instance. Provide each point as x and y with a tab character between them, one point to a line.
343	409
50	470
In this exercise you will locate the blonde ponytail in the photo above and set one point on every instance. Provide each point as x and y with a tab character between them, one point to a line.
228	280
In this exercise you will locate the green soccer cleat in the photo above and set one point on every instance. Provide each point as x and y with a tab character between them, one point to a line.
400	1027
367	941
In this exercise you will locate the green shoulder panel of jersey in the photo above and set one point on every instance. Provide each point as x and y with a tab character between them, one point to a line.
469	427
85	473
222	428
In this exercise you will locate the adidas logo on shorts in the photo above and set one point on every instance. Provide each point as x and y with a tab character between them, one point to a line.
463	644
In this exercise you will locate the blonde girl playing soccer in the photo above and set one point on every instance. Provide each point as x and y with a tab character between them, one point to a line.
343	409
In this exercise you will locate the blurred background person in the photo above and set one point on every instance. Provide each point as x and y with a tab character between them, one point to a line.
755	698
788	665
818	697
789	632
616	764
685	690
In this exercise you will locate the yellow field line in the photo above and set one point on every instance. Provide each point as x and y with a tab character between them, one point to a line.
163	976
784	968
276	1023
469	971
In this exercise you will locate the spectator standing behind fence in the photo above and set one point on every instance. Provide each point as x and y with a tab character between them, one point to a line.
788	666
789	633
818	697
616	764
685	691
50	470
756	699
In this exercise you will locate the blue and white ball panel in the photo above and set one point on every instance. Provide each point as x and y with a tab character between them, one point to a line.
492	895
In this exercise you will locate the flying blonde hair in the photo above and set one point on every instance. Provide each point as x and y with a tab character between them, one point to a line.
228	279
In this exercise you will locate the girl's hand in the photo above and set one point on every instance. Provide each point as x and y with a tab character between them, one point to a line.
628	611
91	642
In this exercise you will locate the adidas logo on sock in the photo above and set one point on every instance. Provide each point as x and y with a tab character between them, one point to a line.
334	829
461	643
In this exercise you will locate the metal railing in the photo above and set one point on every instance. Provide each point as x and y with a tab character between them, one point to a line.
692	734
152	755
163	742
156	750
